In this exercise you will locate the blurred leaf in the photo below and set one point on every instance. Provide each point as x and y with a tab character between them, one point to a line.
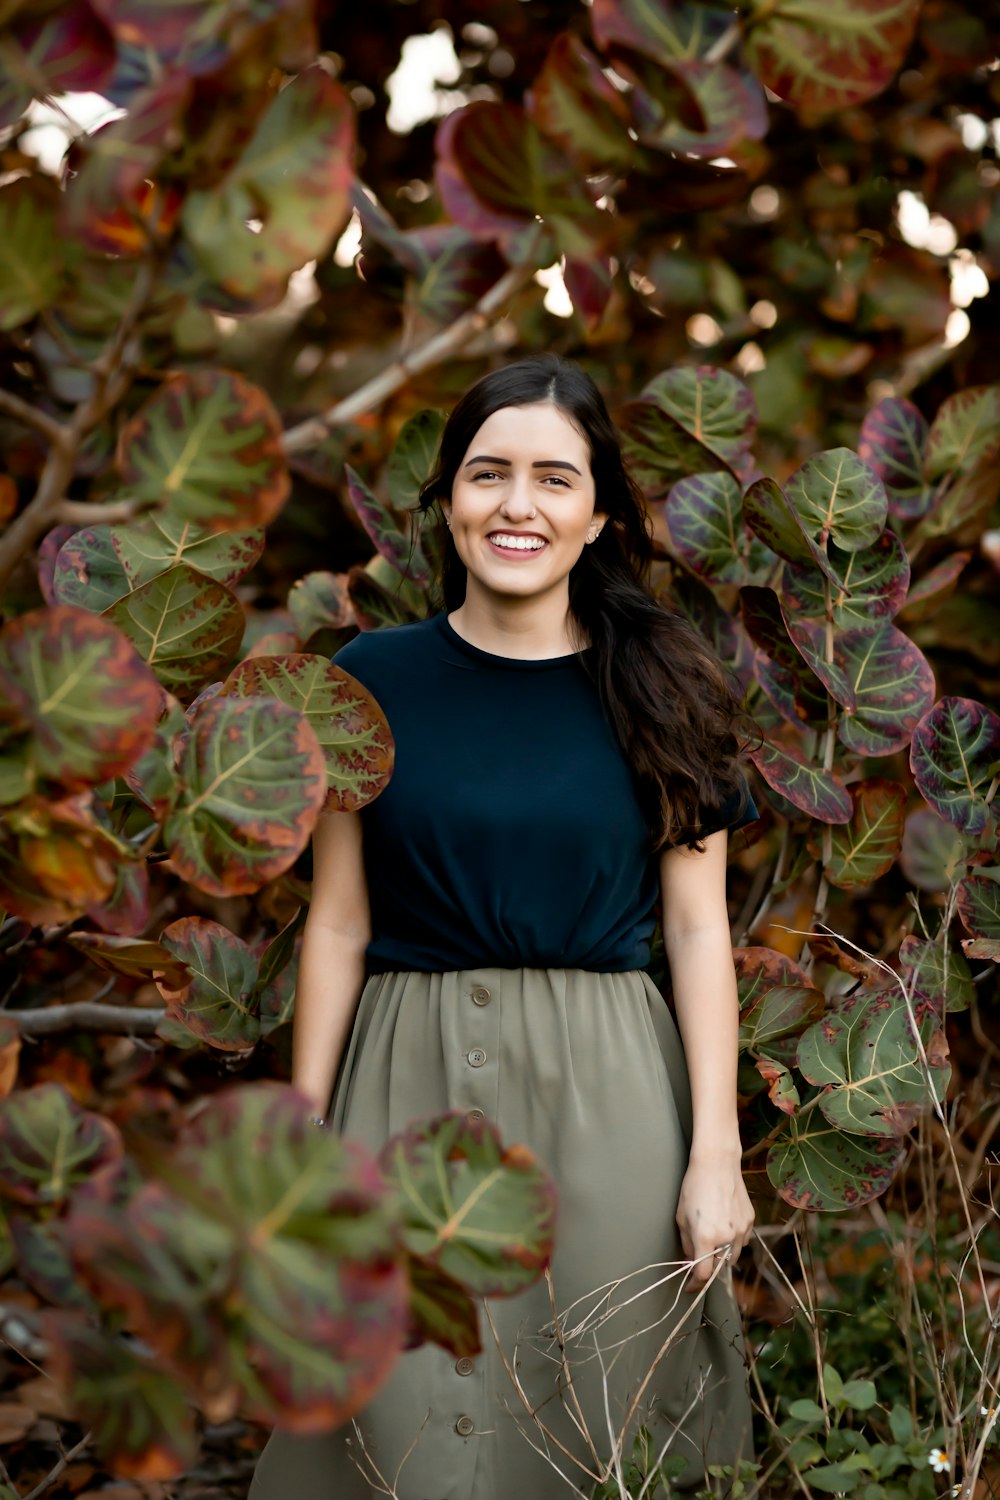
893	684
157	542
215	997
892	441
578	107
931	591
318	601
349	725
44	1262
31	267
253	782
66	51
837	496
187	626
809	788
821	58
954	757
186	33
87	572
441	1311
482	1214
938	975
869	844
208	445
866	588
375	606
48	1144
134	957
57	861
933	851
965	433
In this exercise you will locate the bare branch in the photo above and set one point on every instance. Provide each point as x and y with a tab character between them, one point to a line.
82	513
87	1015
64	1462
32	416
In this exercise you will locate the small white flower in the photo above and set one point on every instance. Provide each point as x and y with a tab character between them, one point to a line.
939	1461
988	1411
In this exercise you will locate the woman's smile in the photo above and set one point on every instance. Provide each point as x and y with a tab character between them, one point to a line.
516	544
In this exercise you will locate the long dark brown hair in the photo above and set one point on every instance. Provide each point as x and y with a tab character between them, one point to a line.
672	704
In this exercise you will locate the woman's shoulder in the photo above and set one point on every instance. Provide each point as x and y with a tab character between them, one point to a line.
394	647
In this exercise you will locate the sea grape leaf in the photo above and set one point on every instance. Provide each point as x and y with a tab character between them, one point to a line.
68	50
413	455
90	700
933	851
44	1262
821	58
385	529
978	899
186	34
809	638
770	516
733	105
866	1060
441	1311
186	626
57	860
705	515
869	844
817	1166
965	433
807	786
208	446
930	592
48	1144
778	666
892	441
954	757
577	106
253	781
32	264
712	405
350	727
781	1087
161	540
318	601
152	777
936	975
659	449
87	571
135	957
374	604
294	176
482	1213
837	496
866	587
276	975
215	998
893	685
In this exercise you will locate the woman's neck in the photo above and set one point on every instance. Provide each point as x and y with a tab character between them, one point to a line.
530	629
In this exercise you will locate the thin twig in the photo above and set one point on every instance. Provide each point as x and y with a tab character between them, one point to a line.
64	1462
87	1015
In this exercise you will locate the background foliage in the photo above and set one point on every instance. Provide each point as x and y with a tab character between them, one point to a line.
233	310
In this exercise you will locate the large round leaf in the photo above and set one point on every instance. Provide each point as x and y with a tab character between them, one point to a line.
157	542
253	783
777	1001
770	517
937	976
90	700
893	685
660	449
965	433
319	601
393	537
578	107
821	57
979	906
806	785
216	998
87	570
818	1167
483	1214
351	728
712	405
705	516
866	587
954	757
208	445
48	1144
187	626
837	496
891	442
933	851
868	845
31	264
778	666
67	50
865	1058
413	456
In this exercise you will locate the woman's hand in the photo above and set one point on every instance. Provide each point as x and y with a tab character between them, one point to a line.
713	1211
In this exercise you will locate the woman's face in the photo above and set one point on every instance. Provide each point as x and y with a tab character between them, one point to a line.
522	504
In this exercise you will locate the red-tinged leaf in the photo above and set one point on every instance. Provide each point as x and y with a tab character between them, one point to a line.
44	1262
67	51
964	500
253	782
153	776
214	998
821	58
90	700
207	445
137	958
318	601
31	267
732	103
965	434
186	626
892	441
148	1431
87	572
349	725
809	788
936	976
483	1214
186	34
125	912
150	546
865	587
982	948
56	859
866	1059
778	666
276	975
837	496
659	449
575	105
589	282
768	514
930	592
781	1088
933	851
711	405
386	529
893	685
809	638
374	605
869	844
979	906
954	757
45	558
48	1144
441	1311
659	28
815	1166
295	176
10	1052
777	1002
704	514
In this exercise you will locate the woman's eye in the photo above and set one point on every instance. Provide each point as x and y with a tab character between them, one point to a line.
487	474
558	479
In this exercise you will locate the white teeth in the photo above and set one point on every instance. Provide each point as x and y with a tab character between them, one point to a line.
517	543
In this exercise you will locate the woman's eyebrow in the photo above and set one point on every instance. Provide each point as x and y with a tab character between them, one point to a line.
543	463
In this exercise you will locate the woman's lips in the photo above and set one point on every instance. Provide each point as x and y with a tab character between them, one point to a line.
516	552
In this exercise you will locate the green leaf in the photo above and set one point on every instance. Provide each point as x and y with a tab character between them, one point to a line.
866	1059
866	587
87	571
89	699
934	587
276	976
817	1167
208	445
216	998
837	496
374	604
253	781
965	433
954	757
318	601
137	958
937	974
483	1214
413	457
294	177
778	666
441	1311
893	686
66	51
833	1385
869	844
711	405
577	106
31	265
769	515
777	1001
186	626
805	1410
979	906
806	785
195	38
148	547
393	537
48	1144
705	516
933	851
350	727
659	449
892	441
821	58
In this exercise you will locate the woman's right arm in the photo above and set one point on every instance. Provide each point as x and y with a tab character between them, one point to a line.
331	972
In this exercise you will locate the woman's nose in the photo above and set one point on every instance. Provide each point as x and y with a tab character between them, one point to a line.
517	503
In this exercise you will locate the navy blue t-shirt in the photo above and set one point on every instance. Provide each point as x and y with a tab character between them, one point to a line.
510	834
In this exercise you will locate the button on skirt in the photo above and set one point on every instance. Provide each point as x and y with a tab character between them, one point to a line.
588	1071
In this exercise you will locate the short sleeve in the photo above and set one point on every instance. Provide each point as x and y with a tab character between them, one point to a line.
727	815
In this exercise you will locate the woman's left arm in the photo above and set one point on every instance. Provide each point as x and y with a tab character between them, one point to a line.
714	1207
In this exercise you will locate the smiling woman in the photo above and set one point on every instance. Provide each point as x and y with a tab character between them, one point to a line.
566	758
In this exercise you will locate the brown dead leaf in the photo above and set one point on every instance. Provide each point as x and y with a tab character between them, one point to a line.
16	1421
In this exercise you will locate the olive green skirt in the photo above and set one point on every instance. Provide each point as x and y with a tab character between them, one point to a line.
588	1071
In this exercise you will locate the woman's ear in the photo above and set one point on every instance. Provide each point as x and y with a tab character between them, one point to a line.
446	512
